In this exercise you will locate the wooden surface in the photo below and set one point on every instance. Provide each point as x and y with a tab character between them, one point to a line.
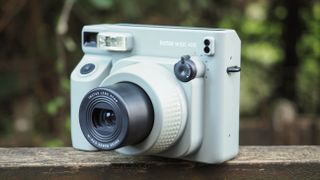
262	162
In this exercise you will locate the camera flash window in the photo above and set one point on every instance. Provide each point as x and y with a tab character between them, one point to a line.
115	41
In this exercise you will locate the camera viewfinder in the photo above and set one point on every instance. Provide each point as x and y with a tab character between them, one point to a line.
90	39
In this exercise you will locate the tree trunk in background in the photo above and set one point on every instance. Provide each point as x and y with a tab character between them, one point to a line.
23	117
292	31
284	125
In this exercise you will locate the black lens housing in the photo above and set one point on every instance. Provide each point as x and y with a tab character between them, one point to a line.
115	116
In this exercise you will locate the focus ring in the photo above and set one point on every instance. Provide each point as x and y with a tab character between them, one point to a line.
172	121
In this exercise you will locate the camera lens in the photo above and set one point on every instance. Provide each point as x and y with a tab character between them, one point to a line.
103	118
115	116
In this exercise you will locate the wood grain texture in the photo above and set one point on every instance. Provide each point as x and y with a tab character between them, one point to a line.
253	162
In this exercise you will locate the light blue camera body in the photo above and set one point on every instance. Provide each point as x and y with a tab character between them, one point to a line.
191	76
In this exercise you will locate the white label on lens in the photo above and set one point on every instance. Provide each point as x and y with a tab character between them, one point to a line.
104	93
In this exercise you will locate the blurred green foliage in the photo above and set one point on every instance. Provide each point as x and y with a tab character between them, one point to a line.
40	47
309	54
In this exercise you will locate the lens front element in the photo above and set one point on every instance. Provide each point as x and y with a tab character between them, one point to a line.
117	115
104	119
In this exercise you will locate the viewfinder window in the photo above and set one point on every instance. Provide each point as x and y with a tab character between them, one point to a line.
90	39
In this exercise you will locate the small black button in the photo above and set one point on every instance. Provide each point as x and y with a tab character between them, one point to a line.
87	68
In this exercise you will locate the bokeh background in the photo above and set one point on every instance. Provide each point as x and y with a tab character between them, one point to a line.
280	81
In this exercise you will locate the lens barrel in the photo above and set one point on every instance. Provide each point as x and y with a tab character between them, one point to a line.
115	116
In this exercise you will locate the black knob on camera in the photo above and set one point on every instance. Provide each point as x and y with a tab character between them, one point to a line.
185	70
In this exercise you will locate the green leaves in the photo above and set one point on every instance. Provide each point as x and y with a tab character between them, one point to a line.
264	53
53	105
102	4
53	143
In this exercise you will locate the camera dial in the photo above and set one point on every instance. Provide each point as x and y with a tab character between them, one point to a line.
186	69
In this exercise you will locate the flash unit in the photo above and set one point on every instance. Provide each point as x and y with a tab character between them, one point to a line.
115	41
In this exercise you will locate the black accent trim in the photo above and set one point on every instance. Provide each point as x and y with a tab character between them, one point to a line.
233	69
206	49
206	42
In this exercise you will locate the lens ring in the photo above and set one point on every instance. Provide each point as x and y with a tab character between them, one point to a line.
96	132
90	122
97	137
